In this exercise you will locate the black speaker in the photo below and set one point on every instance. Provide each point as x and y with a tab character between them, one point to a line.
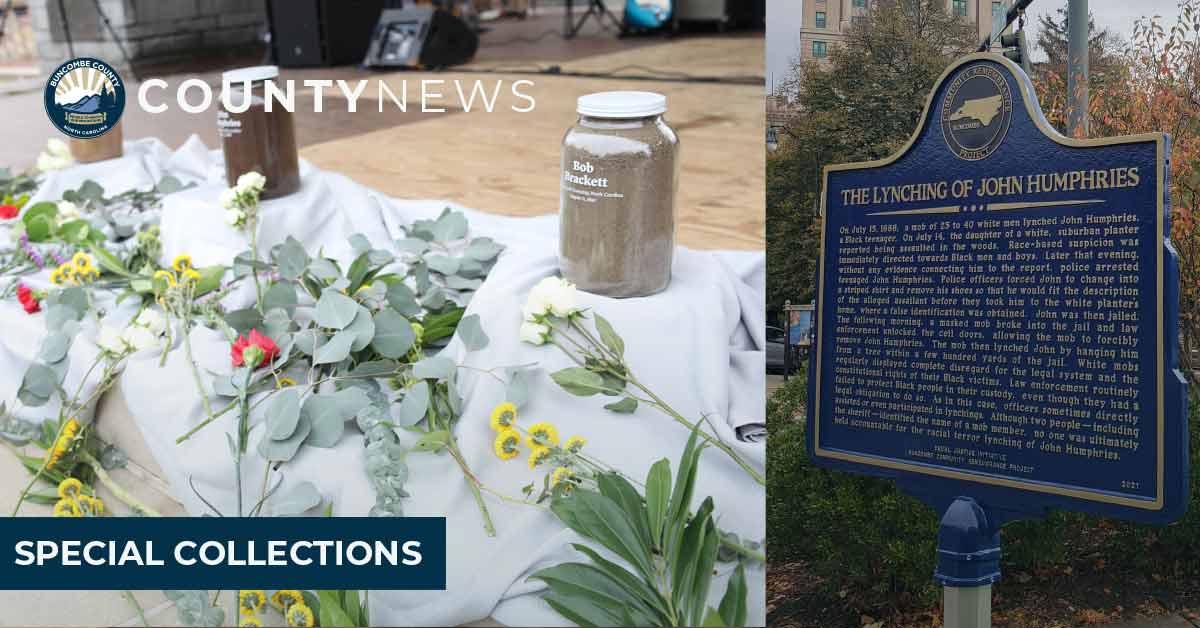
420	36
307	33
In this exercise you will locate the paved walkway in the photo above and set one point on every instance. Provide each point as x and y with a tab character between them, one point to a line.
1169	621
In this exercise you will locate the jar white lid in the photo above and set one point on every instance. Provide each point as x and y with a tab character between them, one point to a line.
618	105
253	73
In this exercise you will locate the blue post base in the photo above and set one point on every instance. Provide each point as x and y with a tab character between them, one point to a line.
968	546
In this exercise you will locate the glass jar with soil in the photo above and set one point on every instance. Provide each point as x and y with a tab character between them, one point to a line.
620	165
255	139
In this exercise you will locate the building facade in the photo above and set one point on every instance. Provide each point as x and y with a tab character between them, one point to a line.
824	22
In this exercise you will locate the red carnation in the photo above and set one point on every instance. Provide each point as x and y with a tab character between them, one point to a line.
8	212
258	348
28	299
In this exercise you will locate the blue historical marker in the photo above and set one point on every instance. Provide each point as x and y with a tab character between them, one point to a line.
997	320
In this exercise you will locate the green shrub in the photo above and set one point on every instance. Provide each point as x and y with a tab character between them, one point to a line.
862	532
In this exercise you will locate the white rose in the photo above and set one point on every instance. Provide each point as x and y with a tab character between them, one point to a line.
534	333
68	210
228	198
562	299
234	217
538	303
251	181
58	148
47	162
110	340
154	321
139	337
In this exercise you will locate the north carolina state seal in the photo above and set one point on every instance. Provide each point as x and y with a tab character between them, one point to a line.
976	111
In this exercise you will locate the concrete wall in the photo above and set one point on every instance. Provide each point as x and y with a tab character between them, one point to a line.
151	30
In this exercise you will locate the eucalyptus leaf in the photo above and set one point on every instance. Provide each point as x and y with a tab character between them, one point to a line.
362	329
483	249
394	335
412	246
283	415
403	300
442	264
434	299
281	294
336	350
54	347
277	323
414	405
435	367
302	497
38	385
454	282
244	320
309	340
324	269
451	225
359	243
376	368
517	390
335	310
328	424
472	334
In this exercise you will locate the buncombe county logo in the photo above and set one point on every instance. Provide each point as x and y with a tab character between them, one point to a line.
976	112
85	97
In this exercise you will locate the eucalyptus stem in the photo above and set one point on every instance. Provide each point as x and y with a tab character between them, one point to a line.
141	613
187	352
116	489
474	483
253	226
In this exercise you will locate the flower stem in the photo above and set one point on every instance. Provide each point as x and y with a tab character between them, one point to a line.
187	351
116	489
475	485
141	613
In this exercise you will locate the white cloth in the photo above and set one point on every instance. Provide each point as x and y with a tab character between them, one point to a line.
699	345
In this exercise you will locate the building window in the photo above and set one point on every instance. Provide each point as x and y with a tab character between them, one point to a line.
857	19
820	19
820	50
860	4
997	8
960	8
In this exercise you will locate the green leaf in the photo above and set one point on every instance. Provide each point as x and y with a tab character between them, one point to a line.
414	405
609	336
394	335
472	334
281	294
433	441
627	405
38	385
359	269
331	610
284	450
483	249
75	231
361	329
54	347
681	496
517	390
403	300
582	611
451	225
601	519
210	279
39	228
293	260
329	413
436	367
300	498
581	581
283	415
335	310
713	619
109	262
242	321
39	210
618	489
324	269
687	556
645	591
733	604
334	351
658	496
442	264
703	574
579	381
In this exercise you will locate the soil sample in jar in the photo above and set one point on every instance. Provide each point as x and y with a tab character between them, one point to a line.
107	146
617	202
257	140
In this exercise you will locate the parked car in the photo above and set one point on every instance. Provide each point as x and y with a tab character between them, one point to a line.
775	349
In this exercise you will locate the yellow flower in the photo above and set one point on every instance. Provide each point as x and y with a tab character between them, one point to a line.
284	598
538	455
87	273
66	273
561	475
508	444
62	443
249	621
167	276
182	263
504	416
542	434
575	443
251	601
191	275
66	508
285	382
69	488
56	277
300	616
92	505
82	260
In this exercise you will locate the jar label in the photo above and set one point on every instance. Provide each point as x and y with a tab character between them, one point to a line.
584	184
227	126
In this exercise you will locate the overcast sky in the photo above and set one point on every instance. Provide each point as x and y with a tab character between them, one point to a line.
783	24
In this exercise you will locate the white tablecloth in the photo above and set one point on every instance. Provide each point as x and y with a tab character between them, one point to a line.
699	345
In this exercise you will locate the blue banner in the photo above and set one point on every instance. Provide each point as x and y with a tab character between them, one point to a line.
998	312
112	553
